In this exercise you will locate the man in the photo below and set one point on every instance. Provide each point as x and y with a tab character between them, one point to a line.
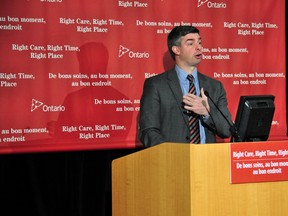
168	105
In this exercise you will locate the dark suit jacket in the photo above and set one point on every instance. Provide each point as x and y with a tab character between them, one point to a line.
163	118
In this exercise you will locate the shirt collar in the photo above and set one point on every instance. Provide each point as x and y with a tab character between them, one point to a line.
183	74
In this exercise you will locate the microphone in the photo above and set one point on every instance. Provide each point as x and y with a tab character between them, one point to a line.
233	129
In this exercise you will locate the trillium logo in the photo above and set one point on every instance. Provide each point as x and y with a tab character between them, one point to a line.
211	4
122	50
201	2
46	108
132	54
35	104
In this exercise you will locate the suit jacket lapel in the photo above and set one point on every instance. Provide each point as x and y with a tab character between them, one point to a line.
175	87
202	82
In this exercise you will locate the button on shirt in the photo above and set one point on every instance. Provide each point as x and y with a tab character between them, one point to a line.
184	83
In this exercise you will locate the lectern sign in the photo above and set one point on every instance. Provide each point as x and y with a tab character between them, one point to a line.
259	162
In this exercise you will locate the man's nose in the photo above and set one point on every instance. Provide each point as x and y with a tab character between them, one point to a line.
199	47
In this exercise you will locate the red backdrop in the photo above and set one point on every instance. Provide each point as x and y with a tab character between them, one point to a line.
71	72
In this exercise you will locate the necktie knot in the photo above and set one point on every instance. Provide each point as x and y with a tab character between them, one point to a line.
190	78
192	88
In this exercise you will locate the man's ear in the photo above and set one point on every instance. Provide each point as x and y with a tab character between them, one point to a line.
176	50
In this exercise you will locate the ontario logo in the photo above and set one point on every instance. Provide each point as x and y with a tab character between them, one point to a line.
211	4
36	104
132	54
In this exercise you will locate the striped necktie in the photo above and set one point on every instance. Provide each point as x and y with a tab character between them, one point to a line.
193	117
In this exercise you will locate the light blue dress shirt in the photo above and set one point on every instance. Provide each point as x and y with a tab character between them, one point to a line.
184	83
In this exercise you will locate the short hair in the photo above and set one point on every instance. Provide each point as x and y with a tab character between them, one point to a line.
176	33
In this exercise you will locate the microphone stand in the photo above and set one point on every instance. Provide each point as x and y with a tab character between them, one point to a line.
234	132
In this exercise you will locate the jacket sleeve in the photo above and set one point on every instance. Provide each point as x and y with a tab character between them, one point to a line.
216	122
150	123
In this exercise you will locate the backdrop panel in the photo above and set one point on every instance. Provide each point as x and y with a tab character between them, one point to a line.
71	72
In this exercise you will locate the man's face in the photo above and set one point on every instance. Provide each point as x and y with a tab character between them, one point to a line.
190	50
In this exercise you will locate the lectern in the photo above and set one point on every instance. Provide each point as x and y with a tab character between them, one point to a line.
173	179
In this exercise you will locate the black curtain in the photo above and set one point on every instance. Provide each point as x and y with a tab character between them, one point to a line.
63	183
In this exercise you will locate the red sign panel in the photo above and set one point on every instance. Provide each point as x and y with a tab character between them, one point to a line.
259	162
72	72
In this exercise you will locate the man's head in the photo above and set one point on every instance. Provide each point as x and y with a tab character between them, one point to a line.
174	37
185	47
